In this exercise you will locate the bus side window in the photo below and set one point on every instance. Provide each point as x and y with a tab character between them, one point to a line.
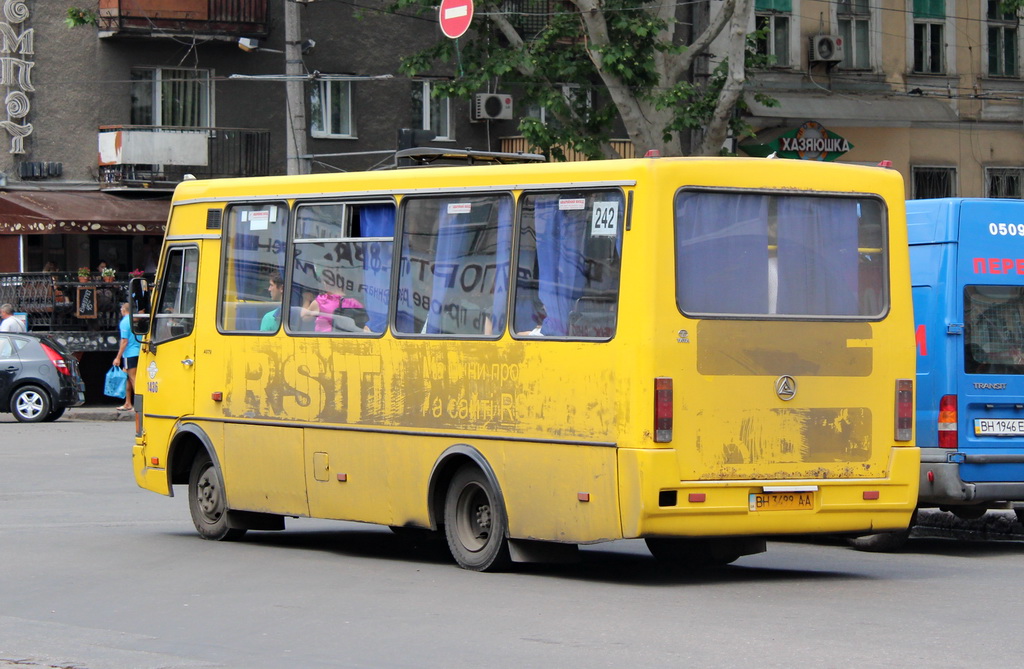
255	238
341	274
567	280
456	256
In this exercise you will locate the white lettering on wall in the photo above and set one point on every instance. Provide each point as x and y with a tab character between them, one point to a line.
15	71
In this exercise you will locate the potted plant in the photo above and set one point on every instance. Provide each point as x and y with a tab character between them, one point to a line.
136	274
83	274
108	274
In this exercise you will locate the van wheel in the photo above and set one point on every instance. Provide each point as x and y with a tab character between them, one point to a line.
30	404
208	503
884	542
1019	510
474	522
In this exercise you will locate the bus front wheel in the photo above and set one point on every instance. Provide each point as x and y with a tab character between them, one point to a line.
475	523
207	502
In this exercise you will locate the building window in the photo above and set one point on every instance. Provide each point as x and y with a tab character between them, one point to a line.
330	109
1004	182
431	112
929	36
1002	41
772	23
575	96
172	97
933	182
854	18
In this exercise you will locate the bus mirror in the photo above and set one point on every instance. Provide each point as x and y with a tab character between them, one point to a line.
138	301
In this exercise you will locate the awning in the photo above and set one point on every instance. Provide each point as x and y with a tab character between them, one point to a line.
855	110
24	212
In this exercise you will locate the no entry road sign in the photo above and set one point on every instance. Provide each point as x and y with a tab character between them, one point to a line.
455	17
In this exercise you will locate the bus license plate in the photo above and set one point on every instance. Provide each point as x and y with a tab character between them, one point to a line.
781	501
999	427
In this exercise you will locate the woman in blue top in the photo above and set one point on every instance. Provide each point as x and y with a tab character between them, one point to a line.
129	352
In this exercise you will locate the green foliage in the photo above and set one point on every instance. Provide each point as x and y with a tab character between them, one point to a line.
80	17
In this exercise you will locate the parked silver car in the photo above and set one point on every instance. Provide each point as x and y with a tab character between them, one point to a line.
39	378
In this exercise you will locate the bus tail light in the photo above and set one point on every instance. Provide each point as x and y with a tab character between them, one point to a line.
947	422
57	359
904	409
662	409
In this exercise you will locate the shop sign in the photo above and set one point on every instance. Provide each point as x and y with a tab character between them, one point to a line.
811	141
16	46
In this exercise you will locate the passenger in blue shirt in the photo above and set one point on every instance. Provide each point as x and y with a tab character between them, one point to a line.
128	357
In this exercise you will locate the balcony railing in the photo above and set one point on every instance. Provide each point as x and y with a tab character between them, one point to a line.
520	145
155	156
229	18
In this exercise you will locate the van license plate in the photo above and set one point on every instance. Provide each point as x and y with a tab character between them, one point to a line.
781	501
999	427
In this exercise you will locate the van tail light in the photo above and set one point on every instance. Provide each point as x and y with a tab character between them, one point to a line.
57	359
662	409
904	409
947	421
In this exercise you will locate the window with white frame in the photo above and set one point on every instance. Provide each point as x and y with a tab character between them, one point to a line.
171	97
1004	182
431	112
929	36
573	94
330	109
933	182
1002	41
772	20
854	19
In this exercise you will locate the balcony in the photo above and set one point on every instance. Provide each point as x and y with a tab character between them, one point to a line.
132	156
520	145
152	18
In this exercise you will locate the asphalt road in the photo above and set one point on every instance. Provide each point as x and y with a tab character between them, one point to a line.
97	574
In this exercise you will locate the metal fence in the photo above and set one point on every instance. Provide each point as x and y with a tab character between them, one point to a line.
59	302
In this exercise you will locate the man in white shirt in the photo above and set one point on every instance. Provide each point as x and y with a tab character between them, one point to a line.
10	323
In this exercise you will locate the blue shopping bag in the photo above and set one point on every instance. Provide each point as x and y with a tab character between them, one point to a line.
116	382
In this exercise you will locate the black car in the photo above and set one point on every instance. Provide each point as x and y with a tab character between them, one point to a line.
39	378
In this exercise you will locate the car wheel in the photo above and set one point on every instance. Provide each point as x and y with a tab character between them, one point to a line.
30	404
474	522
54	415
207	502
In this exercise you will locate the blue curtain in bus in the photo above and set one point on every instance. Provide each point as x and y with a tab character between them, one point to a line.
452	246
722	253
818	256
560	262
499	305
377	220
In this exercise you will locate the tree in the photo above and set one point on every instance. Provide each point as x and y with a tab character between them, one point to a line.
625	59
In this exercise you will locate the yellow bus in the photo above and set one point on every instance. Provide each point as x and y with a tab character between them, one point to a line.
524	358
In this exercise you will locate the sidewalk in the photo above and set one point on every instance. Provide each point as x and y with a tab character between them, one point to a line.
97	412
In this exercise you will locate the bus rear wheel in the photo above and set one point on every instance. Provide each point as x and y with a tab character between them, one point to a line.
208	503
475	523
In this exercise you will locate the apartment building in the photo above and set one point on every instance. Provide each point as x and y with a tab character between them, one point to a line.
933	86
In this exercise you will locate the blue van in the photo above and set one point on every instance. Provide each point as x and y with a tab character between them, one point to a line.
967	269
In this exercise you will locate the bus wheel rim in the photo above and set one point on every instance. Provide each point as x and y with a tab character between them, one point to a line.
473	524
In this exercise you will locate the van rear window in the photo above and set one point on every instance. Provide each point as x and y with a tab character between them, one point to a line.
993	329
780	255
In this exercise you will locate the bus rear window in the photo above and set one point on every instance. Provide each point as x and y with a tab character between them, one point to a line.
994	330
780	256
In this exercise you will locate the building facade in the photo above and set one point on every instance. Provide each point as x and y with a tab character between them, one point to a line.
933	86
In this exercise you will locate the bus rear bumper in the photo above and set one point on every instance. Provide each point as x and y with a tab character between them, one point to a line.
654	502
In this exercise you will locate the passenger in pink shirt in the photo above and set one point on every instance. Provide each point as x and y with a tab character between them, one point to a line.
325	305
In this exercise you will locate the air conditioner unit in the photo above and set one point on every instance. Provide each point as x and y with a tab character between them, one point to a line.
826	49
492	106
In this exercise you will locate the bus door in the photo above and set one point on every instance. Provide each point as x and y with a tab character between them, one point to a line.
990	295
792	341
169	369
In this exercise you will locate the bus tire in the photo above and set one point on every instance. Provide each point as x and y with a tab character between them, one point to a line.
475	523
30	404
694	553
207	502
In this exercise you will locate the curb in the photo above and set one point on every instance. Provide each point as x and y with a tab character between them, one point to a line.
98	414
